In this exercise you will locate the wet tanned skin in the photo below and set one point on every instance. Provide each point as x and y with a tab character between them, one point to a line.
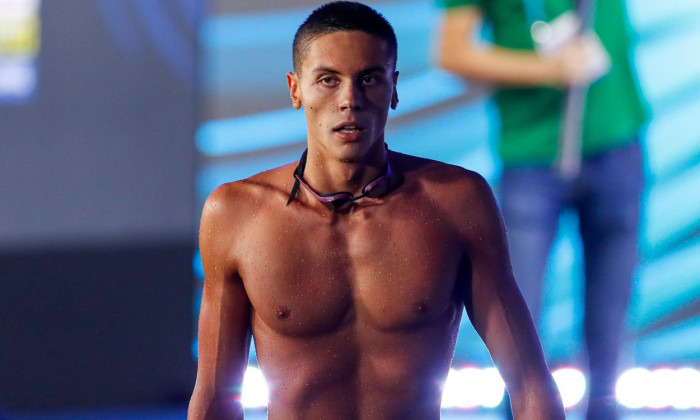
359	315
355	313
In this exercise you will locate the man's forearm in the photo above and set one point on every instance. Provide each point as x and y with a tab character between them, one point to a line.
539	405
503	67
204	407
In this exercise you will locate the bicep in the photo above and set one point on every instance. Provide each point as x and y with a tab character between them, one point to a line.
492	284
499	313
224	319
224	334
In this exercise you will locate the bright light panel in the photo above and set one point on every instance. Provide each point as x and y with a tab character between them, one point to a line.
255	392
660	388
472	387
571	384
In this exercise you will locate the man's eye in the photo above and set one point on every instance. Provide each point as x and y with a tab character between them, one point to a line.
327	80
369	80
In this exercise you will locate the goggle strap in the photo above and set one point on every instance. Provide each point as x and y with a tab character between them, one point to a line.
297	174
331	197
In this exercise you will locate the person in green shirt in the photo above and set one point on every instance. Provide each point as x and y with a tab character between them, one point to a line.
538	56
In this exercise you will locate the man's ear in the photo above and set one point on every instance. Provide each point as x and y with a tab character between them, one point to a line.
294	93
395	95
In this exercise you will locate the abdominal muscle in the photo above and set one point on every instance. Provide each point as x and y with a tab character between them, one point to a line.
359	369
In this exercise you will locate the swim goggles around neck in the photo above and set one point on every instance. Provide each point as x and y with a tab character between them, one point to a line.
335	201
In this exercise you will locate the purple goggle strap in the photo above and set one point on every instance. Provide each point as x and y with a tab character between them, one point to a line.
336	196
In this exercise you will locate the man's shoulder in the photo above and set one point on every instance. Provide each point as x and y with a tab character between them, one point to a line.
247	194
459	192
463	197
438	173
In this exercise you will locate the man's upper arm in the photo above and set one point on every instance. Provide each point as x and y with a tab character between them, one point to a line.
224	318
499	313
493	287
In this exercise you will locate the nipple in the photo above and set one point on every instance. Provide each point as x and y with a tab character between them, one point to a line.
282	312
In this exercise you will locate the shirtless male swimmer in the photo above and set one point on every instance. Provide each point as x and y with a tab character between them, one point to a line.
351	267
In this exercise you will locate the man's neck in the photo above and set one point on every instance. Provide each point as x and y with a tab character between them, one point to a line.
328	174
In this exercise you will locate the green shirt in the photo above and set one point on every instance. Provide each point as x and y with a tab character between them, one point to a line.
530	117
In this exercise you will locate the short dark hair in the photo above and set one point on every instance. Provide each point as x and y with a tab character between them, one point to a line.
341	16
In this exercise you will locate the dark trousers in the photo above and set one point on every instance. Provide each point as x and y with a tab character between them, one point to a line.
606	198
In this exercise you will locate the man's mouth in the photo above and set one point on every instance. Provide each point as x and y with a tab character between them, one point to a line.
349	128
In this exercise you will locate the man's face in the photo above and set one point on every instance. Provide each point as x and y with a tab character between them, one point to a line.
346	84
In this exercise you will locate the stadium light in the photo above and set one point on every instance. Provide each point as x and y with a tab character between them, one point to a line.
572	385
471	387
255	391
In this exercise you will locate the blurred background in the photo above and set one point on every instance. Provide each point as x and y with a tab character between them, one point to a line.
119	117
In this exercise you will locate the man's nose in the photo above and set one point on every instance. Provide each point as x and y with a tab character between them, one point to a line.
351	97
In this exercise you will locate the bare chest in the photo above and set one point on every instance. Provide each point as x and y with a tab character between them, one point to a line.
308	278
